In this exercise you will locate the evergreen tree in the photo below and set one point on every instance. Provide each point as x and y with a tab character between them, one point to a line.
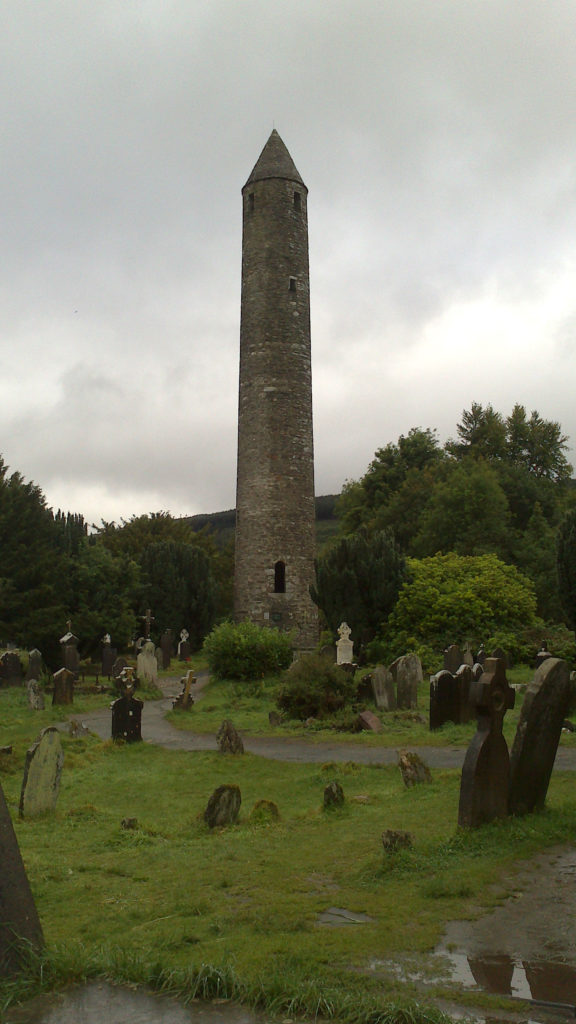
566	565
179	587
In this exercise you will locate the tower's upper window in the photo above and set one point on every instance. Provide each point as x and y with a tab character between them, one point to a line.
297	200
292	284
250	201
280	578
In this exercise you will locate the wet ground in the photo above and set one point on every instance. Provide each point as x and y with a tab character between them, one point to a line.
526	948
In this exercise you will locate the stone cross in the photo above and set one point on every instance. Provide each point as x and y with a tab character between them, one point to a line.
486	771
148	619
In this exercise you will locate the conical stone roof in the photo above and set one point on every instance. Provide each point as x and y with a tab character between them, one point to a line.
274	162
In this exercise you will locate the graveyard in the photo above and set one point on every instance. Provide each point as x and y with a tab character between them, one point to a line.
297	907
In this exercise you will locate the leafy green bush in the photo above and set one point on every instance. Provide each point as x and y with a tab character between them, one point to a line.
453	598
314	687
245	651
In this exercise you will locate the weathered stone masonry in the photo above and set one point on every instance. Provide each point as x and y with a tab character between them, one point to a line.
275	532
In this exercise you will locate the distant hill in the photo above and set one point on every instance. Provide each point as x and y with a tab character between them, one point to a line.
222	524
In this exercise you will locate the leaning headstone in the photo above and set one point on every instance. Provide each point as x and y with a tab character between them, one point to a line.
384	688
42	773
486	770
453	658
35	695
545	707
146	664
407	671
229	739
63	687
344	646
333	795
413	769
35	667
20	928
369	721
11	673
184	645
127	718
166	647
223	807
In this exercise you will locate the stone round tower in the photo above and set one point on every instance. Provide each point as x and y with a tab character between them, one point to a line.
275	523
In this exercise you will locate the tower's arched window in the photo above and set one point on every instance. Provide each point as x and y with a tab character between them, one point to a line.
292	284
280	578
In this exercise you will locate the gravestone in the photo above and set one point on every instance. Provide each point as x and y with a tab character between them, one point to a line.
109	655
127	718
542	655
344	646
407	672
395	839
464	679
223	806
333	795
63	687
384	688
118	667
42	773
501	654
184	645
369	721
443	699
481	656
467	655
166	647
413	769
70	656
35	667
453	658
545	707
229	739
35	695
185	700
20	928
11	669
486	771
146	664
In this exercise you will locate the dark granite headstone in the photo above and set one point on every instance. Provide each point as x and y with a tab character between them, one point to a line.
223	806
481	656
63	687
109	655
453	658
127	719
10	669
35	667
545	707
443	699
70	656
20	928
166	645
486	770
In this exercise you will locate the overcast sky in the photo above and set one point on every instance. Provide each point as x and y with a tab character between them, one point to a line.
437	139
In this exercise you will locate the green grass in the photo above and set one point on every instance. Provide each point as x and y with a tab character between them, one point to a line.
234	913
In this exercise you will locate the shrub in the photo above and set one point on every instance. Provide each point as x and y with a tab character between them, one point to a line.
315	687
245	651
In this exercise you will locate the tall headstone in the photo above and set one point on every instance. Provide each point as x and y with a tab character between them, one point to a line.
453	658
20	928
70	656
127	718
384	688
166	647
109	655
275	514
344	646
545	707
63	687
407	672
42	773
146	664
11	669
486	771
35	667
184	646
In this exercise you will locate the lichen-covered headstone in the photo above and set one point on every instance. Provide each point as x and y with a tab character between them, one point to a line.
407	672
229	739
333	795
413	769
384	688
223	806
486	771
146	664
545	707
42	773
20	928
35	695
